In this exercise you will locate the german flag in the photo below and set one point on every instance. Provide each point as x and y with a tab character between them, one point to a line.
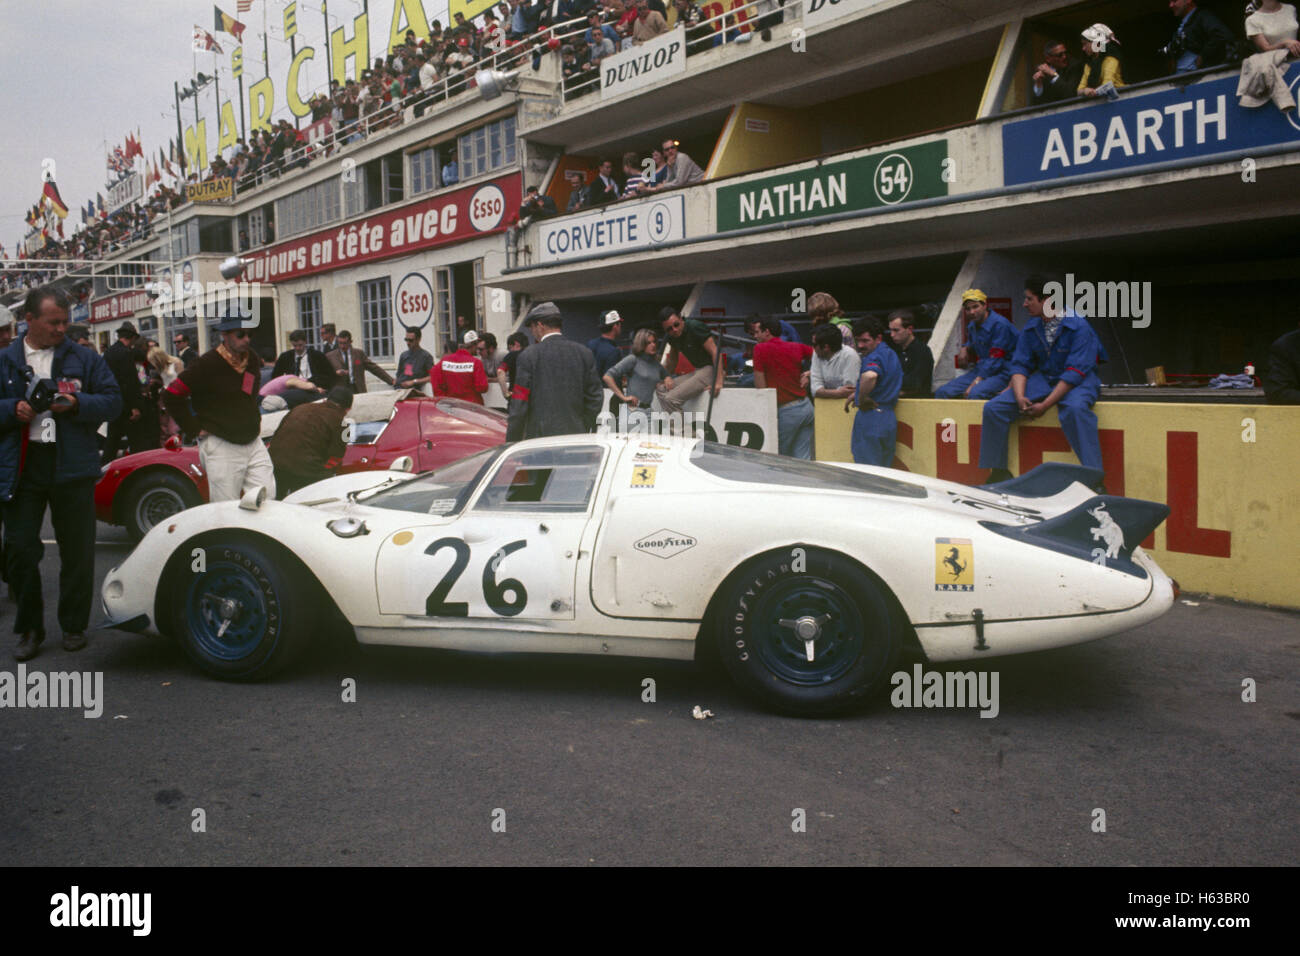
51	193
225	23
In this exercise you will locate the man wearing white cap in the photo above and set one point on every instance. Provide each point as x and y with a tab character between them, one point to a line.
603	347
460	374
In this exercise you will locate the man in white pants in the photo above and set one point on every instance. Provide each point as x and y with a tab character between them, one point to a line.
216	399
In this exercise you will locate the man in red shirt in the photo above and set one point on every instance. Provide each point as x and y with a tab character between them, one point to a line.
777	365
460	374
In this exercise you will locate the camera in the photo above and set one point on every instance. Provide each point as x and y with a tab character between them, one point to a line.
40	395
1175	47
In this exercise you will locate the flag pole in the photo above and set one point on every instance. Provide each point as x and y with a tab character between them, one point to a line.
216	86
325	15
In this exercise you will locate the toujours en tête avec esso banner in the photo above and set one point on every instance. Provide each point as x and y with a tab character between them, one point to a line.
450	217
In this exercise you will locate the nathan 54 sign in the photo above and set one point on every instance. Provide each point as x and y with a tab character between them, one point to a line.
864	182
1198	120
644	65
617	228
452	217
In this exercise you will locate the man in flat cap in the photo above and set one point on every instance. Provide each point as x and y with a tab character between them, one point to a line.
556	390
992	340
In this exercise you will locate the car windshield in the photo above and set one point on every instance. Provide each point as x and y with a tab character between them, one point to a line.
743	464
441	492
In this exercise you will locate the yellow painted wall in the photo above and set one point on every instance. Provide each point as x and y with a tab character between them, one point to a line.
1228	472
792	135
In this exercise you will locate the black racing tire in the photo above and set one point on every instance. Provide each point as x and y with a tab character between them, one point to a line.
267	604
154	497
854	625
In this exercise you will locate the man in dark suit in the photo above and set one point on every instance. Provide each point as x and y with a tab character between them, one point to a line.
304	362
604	188
350	365
120	357
556	391
327	338
1200	41
1056	78
184	350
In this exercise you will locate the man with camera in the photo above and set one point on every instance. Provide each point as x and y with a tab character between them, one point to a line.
1201	39
53	397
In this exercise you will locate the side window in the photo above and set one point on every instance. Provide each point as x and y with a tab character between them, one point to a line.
544	479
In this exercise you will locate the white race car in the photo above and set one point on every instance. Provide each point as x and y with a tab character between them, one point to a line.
809	581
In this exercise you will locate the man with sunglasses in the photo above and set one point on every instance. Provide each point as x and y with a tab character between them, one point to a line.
184	351
413	365
682	170
216	399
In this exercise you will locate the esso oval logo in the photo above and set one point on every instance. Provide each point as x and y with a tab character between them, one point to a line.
487	207
413	301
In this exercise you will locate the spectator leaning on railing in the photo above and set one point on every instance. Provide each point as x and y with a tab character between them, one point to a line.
1271	27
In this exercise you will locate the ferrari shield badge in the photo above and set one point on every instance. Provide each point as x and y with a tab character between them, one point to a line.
954	564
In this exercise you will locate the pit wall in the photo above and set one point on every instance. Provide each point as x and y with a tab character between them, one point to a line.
1227	472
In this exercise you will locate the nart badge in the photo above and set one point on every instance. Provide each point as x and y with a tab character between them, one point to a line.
954	564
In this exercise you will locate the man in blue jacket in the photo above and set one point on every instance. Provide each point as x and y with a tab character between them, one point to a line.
1055	363
53	397
992	339
875	427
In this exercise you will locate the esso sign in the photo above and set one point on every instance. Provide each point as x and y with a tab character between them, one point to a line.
487	207
413	301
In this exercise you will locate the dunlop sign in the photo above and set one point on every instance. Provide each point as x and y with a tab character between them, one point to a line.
861	183
820	11
644	65
214	190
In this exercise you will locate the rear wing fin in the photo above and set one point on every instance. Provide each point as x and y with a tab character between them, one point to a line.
1050	478
1105	530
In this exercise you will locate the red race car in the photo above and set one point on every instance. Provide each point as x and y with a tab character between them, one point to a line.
138	491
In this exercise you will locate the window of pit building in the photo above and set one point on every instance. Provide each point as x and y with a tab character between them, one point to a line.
214	234
1143	28
308	209
254	223
488	148
376	183
309	312
376	318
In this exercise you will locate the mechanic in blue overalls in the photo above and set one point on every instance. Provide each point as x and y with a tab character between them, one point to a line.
875	428
992	339
1055	363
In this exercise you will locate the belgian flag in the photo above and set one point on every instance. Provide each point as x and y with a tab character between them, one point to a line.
225	23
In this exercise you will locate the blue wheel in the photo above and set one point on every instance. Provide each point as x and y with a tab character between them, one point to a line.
241	617
812	641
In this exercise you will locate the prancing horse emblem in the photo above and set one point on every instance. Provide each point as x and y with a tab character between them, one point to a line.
952	562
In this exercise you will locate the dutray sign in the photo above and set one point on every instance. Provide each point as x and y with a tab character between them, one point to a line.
1143	130
646	65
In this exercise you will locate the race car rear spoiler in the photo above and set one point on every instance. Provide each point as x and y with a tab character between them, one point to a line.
1048	479
1104	529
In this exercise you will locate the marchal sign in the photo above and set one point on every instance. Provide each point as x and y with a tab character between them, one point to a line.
646	65
861	183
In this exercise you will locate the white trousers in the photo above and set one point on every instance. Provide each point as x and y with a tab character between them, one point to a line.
234	469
